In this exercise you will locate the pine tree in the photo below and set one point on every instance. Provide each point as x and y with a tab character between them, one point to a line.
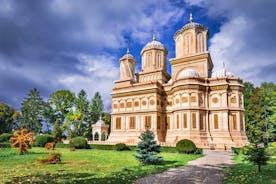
148	149
257	155
32	109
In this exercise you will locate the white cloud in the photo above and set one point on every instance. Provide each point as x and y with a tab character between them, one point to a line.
98	74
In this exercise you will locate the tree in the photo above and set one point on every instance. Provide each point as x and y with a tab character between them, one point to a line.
95	110
268	93
62	102
75	123
257	155
82	104
32	109
148	149
260	110
96	107
255	127
8	118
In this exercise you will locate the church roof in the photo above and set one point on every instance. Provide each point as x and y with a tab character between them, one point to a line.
190	25
222	73
100	121
187	73
154	44
127	56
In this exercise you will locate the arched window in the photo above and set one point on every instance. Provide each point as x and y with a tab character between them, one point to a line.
200	42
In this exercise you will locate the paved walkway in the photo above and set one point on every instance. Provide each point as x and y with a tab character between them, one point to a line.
207	170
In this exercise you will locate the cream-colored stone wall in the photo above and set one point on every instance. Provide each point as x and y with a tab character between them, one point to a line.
208	110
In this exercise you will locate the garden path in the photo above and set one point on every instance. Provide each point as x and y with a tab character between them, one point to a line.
205	170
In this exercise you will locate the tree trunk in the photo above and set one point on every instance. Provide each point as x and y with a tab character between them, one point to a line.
259	167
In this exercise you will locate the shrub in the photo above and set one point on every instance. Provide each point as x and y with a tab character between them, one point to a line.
79	143
5	137
185	146
273	144
22	139
42	139
121	147
61	145
5	145
51	158
50	145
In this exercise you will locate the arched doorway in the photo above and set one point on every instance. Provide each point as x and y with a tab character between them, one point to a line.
96	136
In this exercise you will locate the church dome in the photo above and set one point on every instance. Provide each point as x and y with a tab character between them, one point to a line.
190	25
154	44
222	73
100	121
187	73
127	56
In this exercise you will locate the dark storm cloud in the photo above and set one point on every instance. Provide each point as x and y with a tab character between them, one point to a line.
52	45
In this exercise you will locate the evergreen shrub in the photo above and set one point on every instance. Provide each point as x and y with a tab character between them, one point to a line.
79	143
121	147
147	149
186	146
42	139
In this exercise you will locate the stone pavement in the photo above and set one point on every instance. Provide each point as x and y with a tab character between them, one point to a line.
205	170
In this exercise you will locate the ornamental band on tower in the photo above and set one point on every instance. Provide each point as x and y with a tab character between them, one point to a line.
193	103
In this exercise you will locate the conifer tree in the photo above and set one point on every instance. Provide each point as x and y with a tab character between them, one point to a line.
148	149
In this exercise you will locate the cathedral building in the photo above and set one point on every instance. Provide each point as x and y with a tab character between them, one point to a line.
192	103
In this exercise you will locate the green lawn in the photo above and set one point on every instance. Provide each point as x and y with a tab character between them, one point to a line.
81	166
244	172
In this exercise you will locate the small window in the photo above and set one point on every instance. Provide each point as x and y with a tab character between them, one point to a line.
234	122
194	120
177	121
158	122
147	122
201	123
216	121
168	122
122	105
132	122
118	123
185	120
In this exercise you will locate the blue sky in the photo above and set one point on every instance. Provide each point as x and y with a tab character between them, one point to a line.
67	44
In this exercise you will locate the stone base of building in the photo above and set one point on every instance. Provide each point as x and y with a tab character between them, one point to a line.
206	140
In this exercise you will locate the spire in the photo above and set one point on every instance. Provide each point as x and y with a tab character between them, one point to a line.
127	50
223	68
153	36
191	15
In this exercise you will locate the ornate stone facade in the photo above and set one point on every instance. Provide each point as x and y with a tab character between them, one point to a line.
191	103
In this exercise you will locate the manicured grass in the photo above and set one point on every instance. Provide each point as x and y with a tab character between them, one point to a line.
244	172
81	166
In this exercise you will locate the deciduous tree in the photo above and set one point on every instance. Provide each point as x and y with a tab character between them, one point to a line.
8	118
